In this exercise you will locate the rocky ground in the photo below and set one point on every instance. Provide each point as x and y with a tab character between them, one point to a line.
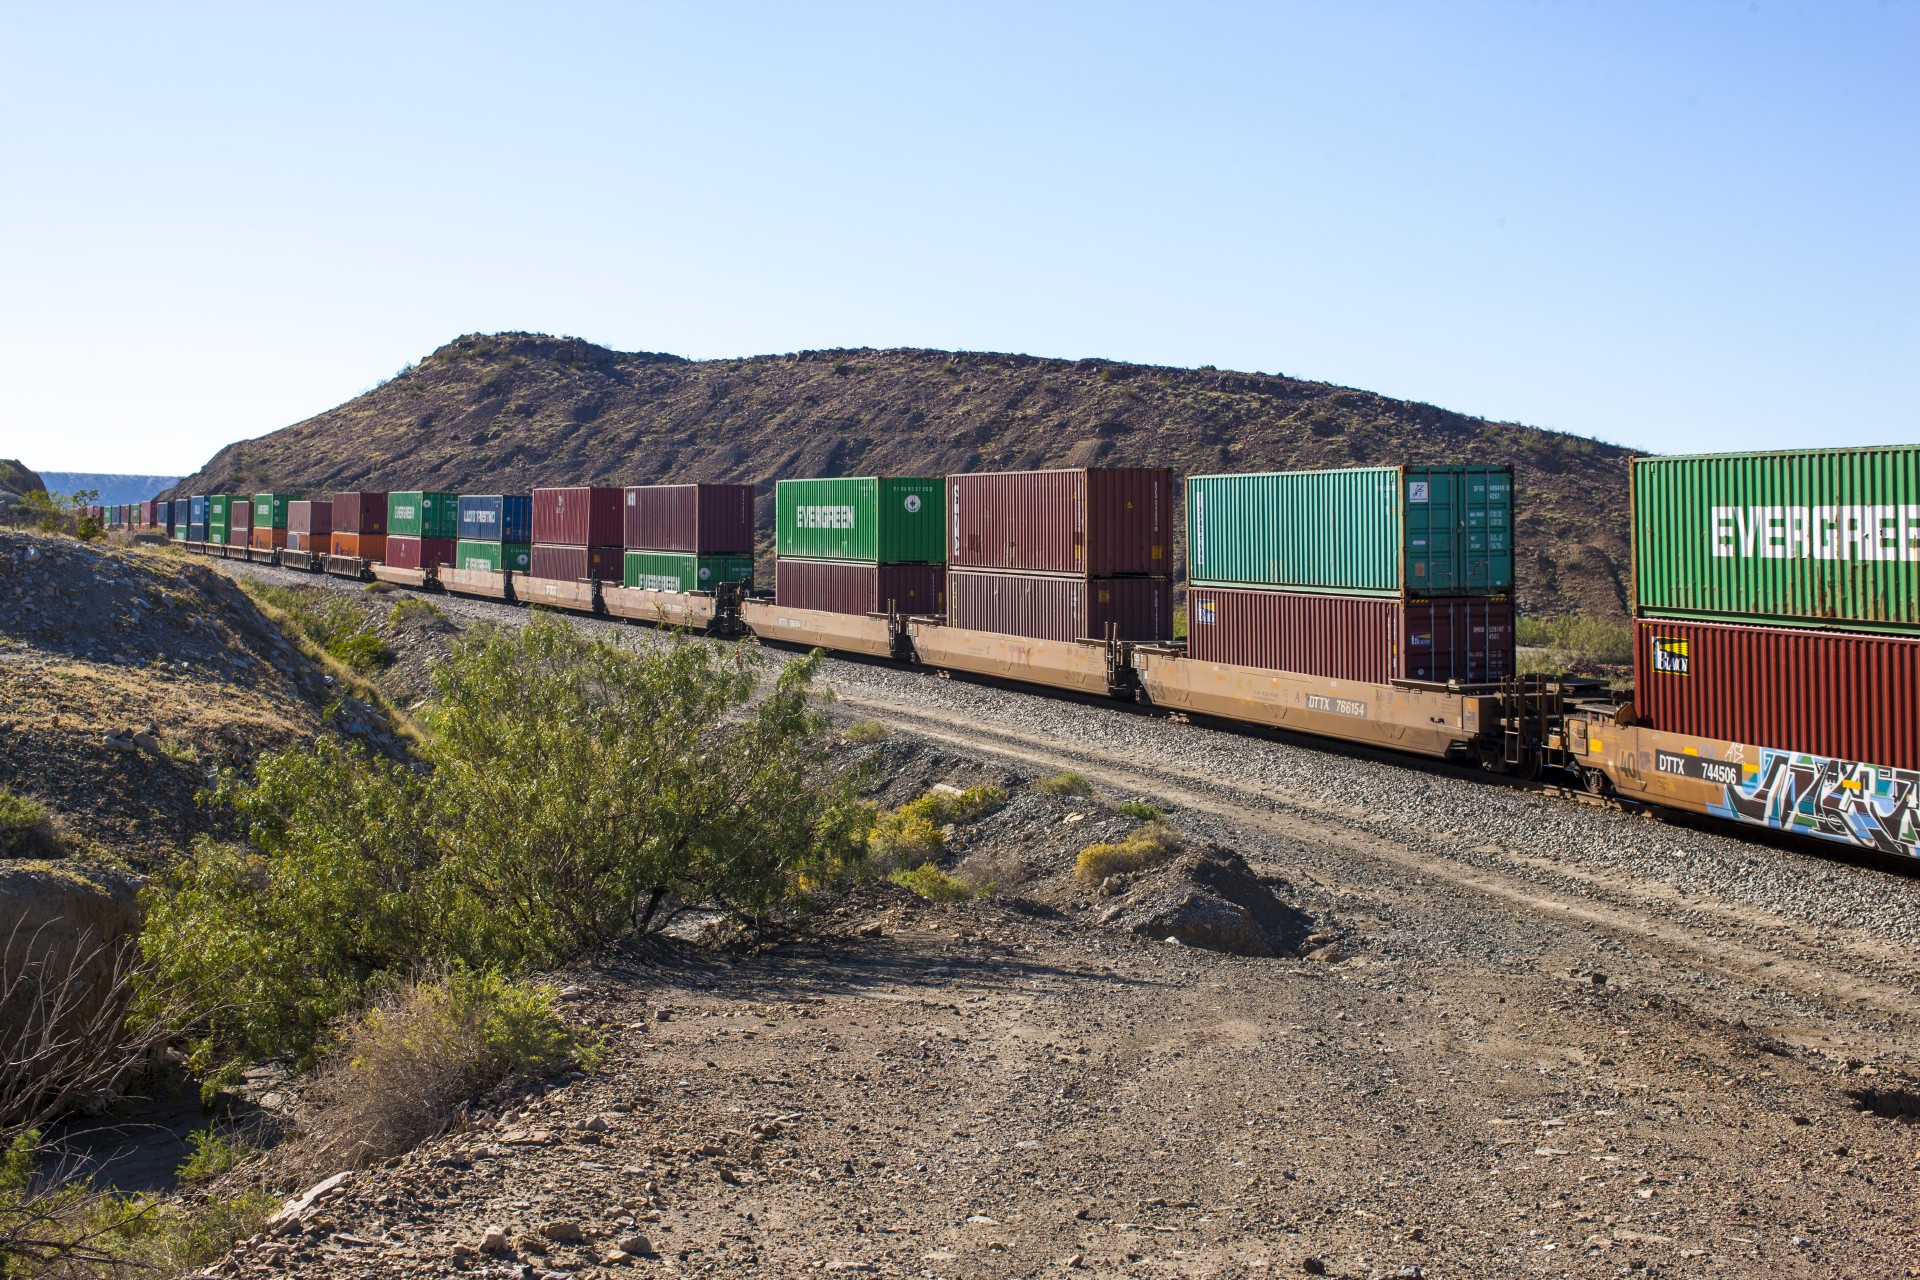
1494	1033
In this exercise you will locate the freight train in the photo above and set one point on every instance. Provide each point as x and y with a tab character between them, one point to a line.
1825	696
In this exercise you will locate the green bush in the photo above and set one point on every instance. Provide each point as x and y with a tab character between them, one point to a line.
1582	640
25	827
412	608
210	1155
330	622
911	834
1064	783
1152	844
935	885
861	732
1142	810
572	787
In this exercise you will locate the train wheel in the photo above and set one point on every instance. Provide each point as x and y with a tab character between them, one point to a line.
1596	781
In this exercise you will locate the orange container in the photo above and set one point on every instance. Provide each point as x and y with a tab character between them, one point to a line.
269	540
368	546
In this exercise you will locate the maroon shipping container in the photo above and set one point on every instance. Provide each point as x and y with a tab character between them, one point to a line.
1056	607
854	586
1089	521
239	521
312	518
1846	695
360	512
146	514
418	553
572	564
1464	639
577	517
705	519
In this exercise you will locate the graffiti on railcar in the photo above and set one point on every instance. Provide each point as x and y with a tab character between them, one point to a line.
1867	805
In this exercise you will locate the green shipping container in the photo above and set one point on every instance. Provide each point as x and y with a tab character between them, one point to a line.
423	515
270	509
492	557
885	519
683	571
217	517
1827	538
1376	531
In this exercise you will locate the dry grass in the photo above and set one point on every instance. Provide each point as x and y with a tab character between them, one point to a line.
1064	783
1150	845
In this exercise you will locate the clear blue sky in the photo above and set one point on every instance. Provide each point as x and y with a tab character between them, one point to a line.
1671	225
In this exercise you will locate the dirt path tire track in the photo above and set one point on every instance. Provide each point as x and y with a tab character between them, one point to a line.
1328	827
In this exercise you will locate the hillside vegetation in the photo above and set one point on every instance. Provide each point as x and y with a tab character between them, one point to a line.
511	411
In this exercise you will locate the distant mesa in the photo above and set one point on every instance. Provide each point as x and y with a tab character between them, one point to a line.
112	488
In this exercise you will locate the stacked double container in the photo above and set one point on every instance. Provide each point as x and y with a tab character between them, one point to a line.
310	526
1777	601
359	526
239	520
270	515
422	529
496	533
1062	555
687	537
1372	574
868	544
576	534
197	516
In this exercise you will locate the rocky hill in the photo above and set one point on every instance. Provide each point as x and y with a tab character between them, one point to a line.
511	411
16	481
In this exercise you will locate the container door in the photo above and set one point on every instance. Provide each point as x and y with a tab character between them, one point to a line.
1435	531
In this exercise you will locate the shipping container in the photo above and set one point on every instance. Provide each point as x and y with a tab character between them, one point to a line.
314	518
889	519
197	509
146	513
1060	607
861	586
360	512
405	551
486	556
417	514
1387	531
496	517
371	547
705	519
1827	538
162	514
1374	639
683	571
1099	522
317	543
239	520
267	539
573	564
196	532
270	509
1847	695
578	516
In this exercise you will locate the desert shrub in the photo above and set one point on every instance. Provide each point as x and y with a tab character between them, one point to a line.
574	787
1142	810
910	835
362	652
413	609
1064	783
26	828
1148	846
861	732
935	885
399	1069
379	588
210	1155
1578	639
330	622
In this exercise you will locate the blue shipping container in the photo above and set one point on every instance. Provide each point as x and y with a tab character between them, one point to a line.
496	517
197	531
197	510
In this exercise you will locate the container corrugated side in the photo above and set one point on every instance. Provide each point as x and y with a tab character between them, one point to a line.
267	538
270	509
239	520
860	586
310	517
577	516
496	517
1361	531
1827	538
888	519
1094	521
371	547
1050	607
360	512
1847	695
1373	639
218	506
705	519
683	570
407	552
487	556
573	564
423	514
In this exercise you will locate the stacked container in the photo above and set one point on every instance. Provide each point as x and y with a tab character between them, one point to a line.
1372	574
270	512
310	526
576	534
1062	555
359	526
239	520
1777	600
163	515
687	537
197	515
869	544
422	528
495	532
